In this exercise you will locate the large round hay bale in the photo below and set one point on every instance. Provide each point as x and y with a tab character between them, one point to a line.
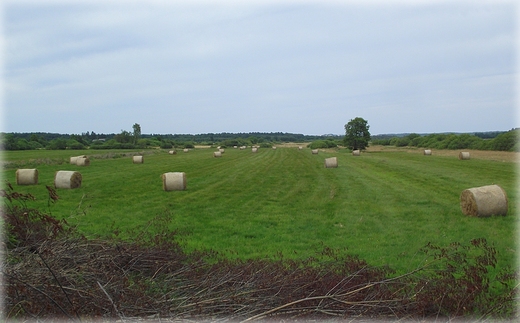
331	162
254	149
174	181
314	151
217	154
27	176
172	152
464	155
484	201
427	152
356	152
74	159
83	161
67	179
137	159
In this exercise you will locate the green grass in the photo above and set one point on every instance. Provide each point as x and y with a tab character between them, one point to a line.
382	206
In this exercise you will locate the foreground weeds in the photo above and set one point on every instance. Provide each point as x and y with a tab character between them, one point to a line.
53	272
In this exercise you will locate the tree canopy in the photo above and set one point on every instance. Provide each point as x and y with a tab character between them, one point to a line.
357	135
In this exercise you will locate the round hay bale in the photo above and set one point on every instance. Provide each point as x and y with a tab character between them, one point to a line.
137	159
74	159
82	161
464	155
242	147
174	181
67	179
27	176
235	147
172	152
356	152
221	150
484	201
185	150
300	147
274	147
427	152
254	149
331	162
314	151
217	154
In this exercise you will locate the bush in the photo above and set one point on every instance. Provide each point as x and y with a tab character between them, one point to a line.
317	144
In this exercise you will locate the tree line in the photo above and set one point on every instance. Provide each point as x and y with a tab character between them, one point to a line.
135	139
504	141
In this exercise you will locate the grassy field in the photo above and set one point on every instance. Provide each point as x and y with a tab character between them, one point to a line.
383	205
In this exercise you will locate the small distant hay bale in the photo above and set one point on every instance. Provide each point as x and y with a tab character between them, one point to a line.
217	154
427	152
274	147
356	152
331	162
221	150
235	147
174	181
74	159
315	151
464	155
67	179
83	161
185	150
27	176
172	152
300	147
484	201
242	147
254	149
137	159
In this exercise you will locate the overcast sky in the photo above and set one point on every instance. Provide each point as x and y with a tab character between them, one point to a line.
265	66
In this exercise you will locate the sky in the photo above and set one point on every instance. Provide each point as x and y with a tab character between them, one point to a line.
306	67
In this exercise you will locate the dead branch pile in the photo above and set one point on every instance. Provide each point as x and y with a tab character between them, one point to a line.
51	271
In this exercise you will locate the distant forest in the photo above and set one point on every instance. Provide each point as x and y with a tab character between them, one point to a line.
493	140
128	140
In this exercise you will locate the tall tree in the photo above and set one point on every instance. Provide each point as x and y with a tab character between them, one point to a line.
137	132
357	135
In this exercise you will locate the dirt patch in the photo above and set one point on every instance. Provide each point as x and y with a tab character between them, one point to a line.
503	156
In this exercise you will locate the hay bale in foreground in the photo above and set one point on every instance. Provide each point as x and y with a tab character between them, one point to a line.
174	181
137	159
427	152
254	149
331	162
464	155
27	176
217	154
314	151
67	179
484	201
356	152
83	161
